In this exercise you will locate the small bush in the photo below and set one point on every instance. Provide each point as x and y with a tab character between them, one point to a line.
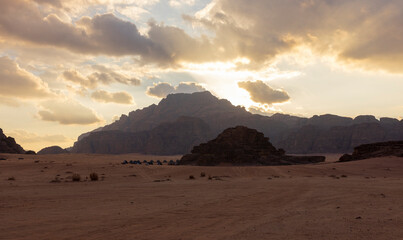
56	180
11	179
202	174
191	177
94	177
76	177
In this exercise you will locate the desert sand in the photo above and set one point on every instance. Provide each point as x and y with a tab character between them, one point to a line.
353	200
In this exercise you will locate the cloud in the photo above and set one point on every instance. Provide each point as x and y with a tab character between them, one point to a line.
263	93
102	34
161	90
67	112
107	97
16	82
179	3
366	33
107	76
76	77
363	33
23	137
103	76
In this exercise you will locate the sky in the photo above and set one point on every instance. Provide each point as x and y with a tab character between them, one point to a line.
70	66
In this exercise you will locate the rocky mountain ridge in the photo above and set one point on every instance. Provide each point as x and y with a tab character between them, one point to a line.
318	134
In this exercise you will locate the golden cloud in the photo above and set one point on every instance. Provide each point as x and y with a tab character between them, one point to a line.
161	90
117	97
67	112
16	82
263	93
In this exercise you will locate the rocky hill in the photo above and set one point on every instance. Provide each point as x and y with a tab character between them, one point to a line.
319	134
242	146
52	150
8	144
381	149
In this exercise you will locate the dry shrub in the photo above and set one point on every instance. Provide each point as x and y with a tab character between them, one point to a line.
76	177
202	174
94	176
191	177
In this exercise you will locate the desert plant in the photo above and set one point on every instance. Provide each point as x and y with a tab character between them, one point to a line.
11	179
94	176
76	177
202	174
191	177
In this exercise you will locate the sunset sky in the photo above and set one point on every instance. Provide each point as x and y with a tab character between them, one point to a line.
70	66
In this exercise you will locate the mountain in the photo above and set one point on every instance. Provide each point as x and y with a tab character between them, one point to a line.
8	144
181	121
168	138
242	146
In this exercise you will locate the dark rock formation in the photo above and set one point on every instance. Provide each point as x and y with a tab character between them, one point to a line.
319	134
8	144
382	149
52	150
242	146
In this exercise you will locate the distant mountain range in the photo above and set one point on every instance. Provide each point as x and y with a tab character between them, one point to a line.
181	121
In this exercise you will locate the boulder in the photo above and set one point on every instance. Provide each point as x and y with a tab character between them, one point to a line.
242	146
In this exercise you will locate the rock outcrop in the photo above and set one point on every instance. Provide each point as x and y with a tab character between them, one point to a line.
382	149
242	146
8	144
52	150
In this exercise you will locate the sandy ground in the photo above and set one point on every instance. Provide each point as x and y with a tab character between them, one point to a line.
356	200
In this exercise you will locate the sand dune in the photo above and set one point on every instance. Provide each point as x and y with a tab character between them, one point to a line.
354	200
